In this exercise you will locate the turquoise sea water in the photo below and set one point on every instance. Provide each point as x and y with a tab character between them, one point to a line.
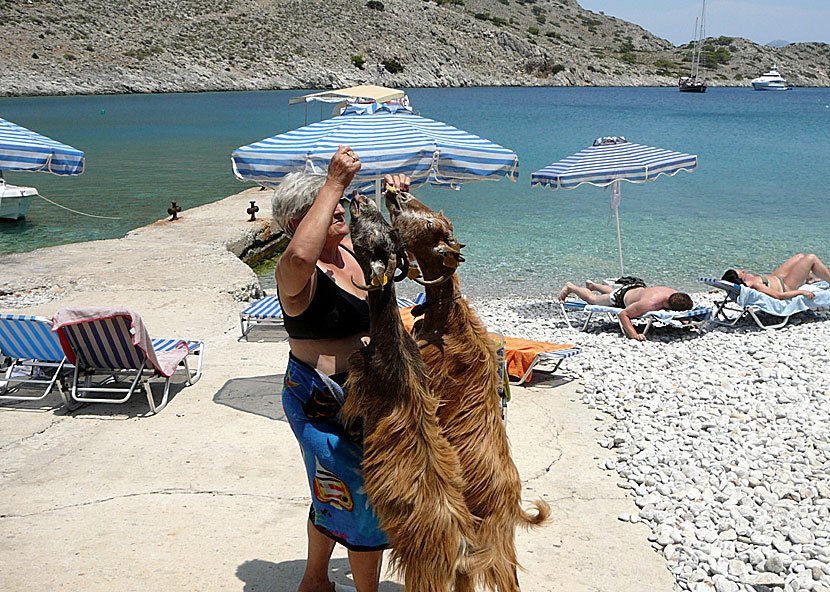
758	195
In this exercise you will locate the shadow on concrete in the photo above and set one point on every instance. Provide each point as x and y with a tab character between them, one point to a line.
136	406
52	403
260	395
542	378
265	333
259	575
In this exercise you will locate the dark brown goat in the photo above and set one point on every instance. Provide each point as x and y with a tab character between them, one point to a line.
461	362
411	473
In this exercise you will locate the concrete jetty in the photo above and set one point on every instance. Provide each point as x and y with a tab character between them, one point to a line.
210	494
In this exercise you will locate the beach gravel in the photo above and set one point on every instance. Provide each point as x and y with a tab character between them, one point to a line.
720	436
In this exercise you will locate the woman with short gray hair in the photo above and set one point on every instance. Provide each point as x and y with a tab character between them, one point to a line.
327	319
294	197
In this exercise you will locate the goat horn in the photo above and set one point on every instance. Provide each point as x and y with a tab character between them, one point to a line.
403	267
391	267
362	287
436	281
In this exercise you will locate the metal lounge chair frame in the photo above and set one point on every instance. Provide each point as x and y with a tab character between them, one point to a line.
105	356
729	312
28	342
697	317
555	357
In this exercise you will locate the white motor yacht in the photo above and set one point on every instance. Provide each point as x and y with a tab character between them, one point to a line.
770	81
15	201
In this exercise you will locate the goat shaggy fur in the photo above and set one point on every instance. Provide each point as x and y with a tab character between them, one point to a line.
411	473
460	357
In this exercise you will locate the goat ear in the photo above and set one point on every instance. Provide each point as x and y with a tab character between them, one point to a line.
378	268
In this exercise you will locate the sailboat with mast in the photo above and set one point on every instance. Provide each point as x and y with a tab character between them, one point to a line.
694	82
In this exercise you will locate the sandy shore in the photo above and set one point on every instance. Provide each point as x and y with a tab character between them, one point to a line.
210	494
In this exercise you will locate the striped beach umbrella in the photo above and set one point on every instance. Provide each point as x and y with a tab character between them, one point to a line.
607	162
390	139
24	150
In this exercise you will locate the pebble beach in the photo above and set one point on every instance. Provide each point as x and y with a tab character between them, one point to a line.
721	436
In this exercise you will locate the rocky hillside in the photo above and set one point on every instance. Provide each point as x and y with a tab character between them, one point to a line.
123	46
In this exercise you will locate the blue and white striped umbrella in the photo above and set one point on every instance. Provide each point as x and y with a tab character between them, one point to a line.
389	139
607	162
24	150
612	159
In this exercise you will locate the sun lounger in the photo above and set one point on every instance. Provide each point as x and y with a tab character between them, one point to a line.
740	301
33	356
265	311
420	298
694	318
525	355
111	345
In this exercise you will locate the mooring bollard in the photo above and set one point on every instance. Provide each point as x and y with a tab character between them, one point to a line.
174	211
252	211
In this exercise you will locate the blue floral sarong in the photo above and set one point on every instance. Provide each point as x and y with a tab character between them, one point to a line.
340	508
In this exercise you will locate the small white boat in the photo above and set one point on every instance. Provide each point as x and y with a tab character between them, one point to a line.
770	81
15	201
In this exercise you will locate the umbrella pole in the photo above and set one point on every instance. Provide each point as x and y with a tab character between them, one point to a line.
377	192
619	240
615	200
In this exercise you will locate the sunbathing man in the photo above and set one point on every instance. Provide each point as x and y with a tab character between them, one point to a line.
635	299
784	282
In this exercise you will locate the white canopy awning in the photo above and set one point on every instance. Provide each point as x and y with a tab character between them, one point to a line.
353	94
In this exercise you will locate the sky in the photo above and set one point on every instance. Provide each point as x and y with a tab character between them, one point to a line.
760	21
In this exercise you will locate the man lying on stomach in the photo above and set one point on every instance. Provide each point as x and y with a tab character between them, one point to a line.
634	298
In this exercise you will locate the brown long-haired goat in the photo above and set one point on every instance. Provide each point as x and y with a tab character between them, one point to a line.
411	473
461	363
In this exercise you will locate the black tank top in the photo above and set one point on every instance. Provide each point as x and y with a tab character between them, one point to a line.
332	313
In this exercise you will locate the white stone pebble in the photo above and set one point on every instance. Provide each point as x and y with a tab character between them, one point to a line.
720	435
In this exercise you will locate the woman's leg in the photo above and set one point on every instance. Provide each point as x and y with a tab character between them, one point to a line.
788	265
366	569
819	269
316	576
800	271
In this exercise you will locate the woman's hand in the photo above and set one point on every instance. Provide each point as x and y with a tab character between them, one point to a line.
342	167
399	182
807	294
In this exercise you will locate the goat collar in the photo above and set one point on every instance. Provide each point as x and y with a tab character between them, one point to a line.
418	309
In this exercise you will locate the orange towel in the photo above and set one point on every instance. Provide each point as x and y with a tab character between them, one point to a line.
519	353
408	319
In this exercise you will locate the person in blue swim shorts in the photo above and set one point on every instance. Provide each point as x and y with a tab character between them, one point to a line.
326	318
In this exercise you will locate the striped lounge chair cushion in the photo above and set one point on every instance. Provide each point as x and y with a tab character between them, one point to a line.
264	308
29	337
107	343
